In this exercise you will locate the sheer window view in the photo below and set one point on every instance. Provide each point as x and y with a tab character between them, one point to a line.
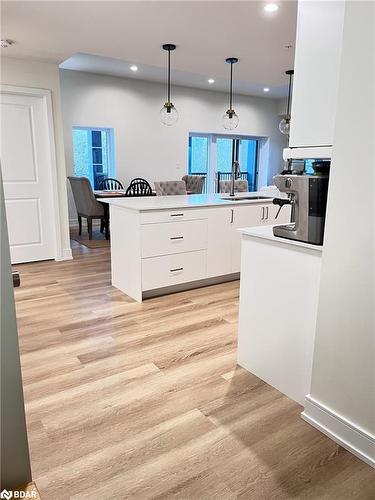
211	155
309	167
198	155
92	154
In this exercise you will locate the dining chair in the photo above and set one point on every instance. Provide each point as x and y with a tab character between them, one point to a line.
167	188
139	187
240	186
87	206
110	184
194	183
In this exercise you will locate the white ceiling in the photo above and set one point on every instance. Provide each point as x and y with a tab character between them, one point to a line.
107	36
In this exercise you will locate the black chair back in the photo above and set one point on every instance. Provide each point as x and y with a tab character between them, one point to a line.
139	187
110	184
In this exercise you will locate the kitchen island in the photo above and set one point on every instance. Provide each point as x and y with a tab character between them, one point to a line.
278	309
163	244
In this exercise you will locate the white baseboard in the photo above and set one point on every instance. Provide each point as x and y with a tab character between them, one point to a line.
65	255
339	429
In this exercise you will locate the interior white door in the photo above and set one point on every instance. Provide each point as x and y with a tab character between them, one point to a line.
27	175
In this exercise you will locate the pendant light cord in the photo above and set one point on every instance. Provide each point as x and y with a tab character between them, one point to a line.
169	78
231	86
289	95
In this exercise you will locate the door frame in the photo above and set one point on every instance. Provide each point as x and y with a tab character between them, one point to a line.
46	96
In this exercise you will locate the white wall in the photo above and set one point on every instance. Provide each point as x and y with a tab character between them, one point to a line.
42	75
143	146
343	377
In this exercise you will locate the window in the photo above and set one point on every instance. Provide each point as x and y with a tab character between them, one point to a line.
309	167
211	155
198	155
93	154
224	155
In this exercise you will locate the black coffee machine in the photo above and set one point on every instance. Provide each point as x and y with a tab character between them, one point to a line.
307	193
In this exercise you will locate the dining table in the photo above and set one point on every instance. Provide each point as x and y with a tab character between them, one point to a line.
117	193
108	193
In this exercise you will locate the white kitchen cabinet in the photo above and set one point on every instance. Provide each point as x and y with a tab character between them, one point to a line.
246	216
219	239
154	250
173	237
253	215
168	270
316	73
282	218
224	241
274	344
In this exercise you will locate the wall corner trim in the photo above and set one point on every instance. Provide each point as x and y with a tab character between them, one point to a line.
339	429
66	254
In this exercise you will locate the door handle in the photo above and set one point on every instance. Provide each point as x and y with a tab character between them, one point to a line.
231	215
262	216
176	238
267	213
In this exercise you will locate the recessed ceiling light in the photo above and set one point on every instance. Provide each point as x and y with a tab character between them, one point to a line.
211	80
266	89
271	7
134	68
6	43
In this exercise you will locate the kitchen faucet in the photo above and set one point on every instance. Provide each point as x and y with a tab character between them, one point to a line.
236	174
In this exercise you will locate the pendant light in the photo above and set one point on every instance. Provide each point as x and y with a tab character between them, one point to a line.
230	119
168	113
284	125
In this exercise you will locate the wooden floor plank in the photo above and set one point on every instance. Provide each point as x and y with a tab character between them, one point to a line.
145	401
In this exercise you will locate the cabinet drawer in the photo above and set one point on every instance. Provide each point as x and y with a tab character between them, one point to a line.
170	270
175	237
179	214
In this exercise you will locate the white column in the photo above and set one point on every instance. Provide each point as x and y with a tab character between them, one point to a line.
342	399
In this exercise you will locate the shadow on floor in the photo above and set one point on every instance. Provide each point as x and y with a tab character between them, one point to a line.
98	238
281	455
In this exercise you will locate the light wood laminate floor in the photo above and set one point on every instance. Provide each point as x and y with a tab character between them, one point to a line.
141	401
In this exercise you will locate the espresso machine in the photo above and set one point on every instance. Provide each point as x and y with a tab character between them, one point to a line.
307	194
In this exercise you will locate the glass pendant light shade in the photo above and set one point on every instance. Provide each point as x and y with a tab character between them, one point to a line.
230	120
168	114
284	125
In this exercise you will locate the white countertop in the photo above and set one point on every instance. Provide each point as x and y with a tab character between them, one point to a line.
266	233
144	203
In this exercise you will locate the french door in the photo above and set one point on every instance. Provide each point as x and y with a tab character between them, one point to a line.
212	156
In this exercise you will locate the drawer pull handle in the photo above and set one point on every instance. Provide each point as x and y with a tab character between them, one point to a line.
177	215
177	238
177	269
